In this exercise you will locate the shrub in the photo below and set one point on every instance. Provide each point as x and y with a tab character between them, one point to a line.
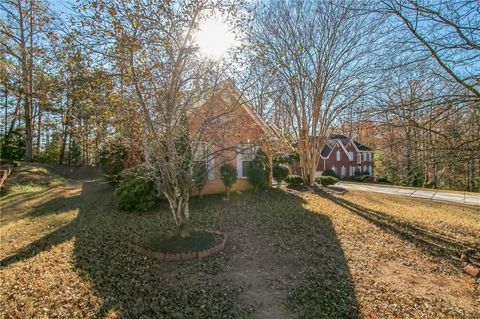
280	173
326	180
329	172
51	153
200	176
135	190
294	180
383	179
366	173
113	154
228	174
12	146
258	171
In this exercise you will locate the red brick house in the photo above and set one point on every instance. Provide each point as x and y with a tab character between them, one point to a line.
233	134
345	157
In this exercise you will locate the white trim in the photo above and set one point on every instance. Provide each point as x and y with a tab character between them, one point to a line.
353	143
333	147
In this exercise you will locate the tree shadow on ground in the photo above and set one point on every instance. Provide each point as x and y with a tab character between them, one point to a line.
429	241
319	283
322	284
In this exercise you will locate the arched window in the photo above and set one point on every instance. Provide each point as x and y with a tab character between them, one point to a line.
338	155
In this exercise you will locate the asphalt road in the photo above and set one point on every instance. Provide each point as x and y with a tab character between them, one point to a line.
432	194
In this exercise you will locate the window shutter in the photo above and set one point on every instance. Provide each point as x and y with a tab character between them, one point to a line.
239	162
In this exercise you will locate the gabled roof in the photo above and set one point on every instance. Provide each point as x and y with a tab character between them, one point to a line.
362	147
344	141
267	128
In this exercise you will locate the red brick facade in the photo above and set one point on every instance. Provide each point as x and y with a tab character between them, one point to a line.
345	160
237	127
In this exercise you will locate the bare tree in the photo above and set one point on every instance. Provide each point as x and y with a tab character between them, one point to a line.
317	52
152	46
447	32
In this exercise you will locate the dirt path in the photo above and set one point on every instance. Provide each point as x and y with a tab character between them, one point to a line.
256	269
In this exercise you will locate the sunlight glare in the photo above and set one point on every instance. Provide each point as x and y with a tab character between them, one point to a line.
214	38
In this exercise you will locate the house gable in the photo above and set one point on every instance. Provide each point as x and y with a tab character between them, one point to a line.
231	124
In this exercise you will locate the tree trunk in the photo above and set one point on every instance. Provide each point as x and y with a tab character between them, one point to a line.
6	109
179	208
39	130
25	85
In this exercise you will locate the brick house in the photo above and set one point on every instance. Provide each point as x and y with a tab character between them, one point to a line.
345	157
232	132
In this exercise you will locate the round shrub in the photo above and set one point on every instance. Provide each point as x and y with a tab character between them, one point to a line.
326	180
329	172
258	172
294	180
280	173
135	190
228	174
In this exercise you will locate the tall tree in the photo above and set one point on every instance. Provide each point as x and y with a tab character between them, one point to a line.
317	53
151	45
22	29
447	32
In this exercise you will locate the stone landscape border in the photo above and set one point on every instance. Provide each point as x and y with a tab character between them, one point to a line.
195	255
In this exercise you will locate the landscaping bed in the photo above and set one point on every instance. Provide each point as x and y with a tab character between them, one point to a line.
175	247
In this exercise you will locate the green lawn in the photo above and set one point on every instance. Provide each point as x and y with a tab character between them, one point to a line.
64	254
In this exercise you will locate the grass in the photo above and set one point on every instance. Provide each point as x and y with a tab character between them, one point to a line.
64	254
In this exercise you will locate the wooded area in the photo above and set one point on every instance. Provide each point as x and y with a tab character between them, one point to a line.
401	76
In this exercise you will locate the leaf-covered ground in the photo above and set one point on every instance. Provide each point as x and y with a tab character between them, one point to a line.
64	254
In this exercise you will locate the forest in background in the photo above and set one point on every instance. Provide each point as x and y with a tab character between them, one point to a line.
68	99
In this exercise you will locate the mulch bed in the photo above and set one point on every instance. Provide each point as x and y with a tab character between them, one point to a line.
199	244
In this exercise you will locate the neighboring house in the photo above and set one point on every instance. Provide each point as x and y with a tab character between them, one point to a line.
345	157
232	132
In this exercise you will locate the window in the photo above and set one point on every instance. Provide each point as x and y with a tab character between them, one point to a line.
245	166
204	162
342	174
246	153
359	158
338	156
350	156
334	170
367	155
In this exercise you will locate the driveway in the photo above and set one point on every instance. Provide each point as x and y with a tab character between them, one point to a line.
432	194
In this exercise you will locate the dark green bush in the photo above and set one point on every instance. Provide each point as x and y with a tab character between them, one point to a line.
135	190
258	172
383	179
294	180
113	154
51	153
326	180
329	172
280	173
12	146
228	174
